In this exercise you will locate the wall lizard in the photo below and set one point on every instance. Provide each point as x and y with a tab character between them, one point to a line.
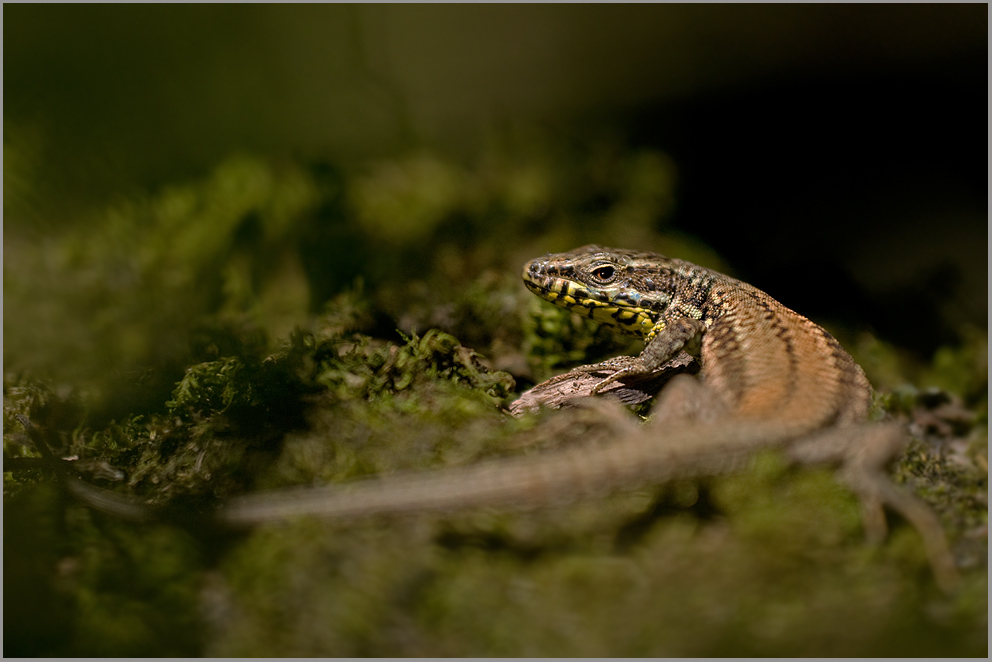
770	378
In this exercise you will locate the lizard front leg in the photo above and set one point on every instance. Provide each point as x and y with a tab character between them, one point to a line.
665	343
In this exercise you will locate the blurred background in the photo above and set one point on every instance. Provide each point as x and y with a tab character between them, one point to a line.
834	156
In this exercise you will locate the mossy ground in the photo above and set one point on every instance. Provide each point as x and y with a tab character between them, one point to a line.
233	349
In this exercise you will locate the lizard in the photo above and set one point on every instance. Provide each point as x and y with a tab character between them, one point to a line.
769	378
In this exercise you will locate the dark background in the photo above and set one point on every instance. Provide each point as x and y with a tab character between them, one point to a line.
834	155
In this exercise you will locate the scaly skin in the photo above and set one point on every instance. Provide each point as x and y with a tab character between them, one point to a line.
762	360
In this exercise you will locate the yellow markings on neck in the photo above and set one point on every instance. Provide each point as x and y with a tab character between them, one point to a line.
637	321
630	319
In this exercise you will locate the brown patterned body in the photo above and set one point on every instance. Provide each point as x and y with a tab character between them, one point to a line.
758	355
764	361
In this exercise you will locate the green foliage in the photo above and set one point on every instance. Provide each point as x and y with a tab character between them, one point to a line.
119	301
240	333
963	370
781	570
132	589
137	592
111	304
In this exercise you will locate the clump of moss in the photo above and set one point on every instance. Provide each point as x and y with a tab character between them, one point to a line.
224	432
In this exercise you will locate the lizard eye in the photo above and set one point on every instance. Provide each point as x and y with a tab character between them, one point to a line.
604	274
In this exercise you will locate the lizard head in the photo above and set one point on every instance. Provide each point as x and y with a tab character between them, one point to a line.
625	289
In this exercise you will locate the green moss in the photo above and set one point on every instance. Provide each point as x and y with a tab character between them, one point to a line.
963	370
76	584
256	312
736	584
138	593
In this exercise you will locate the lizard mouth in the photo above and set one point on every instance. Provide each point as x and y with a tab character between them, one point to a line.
542	289
544	280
